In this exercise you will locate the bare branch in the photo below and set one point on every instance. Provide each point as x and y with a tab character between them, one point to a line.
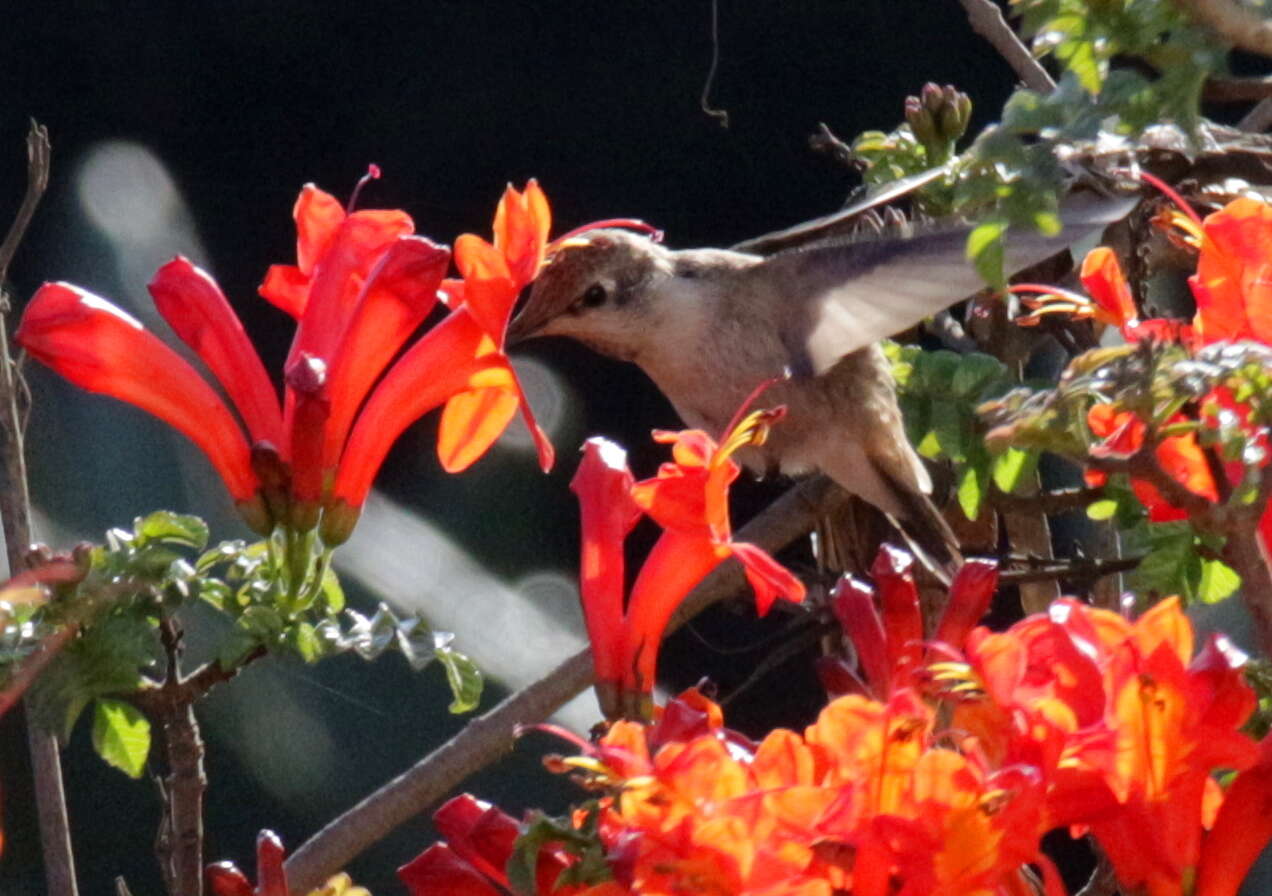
987	20
1242	28
15	511
490	736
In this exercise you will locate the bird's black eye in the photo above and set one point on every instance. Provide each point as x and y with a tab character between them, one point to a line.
593	297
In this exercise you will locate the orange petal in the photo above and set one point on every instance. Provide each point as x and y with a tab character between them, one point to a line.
1102	276
471	422
489	290
522	222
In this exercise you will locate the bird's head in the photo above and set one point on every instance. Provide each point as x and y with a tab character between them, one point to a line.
597	288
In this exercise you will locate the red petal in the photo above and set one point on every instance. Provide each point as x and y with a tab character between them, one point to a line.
438	871
893	574
479	833
339	273
441	364
318	216
286	288
100	348
768	578
675	499
224	879
1242	829
271	880
489	290
970	595
192	303
853	604
603	484
677	563
400	294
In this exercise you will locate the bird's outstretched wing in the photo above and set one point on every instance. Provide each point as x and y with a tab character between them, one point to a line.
847	295
827	225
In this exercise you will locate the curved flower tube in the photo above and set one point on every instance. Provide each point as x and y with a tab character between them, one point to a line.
101	348
689	499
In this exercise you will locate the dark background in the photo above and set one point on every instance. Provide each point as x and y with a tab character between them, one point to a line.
244	102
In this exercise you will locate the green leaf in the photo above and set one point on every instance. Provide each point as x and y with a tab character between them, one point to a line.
121	735
303	640
542	830
936	370
953	428
1218	581
985	250
974	372
172	528
1012	467
333	595
1104	509
972	484
463	676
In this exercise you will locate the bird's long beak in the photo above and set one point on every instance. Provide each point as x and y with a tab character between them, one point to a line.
520	329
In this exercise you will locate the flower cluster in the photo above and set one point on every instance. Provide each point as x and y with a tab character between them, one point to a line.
689	500
1230	289
362	284
943	775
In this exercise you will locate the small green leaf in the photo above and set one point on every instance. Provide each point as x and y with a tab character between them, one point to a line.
332	593
302	639
172	528
985	250
971	488
464	678
121	735
1218	581
1011	467
1104	509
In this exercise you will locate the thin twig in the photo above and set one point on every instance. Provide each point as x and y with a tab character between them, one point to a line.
1103	882
1079	569
720	115
840	152
15	511
987	20
490	736
1045	502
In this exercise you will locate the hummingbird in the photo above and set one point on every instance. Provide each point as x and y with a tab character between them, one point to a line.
709	325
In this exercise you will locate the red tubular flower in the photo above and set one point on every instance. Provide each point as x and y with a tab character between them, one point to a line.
479	843
361	285
689	499
224	879
102	349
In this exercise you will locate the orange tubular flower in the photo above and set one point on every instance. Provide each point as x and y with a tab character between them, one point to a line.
689	499
1180	457
362	284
